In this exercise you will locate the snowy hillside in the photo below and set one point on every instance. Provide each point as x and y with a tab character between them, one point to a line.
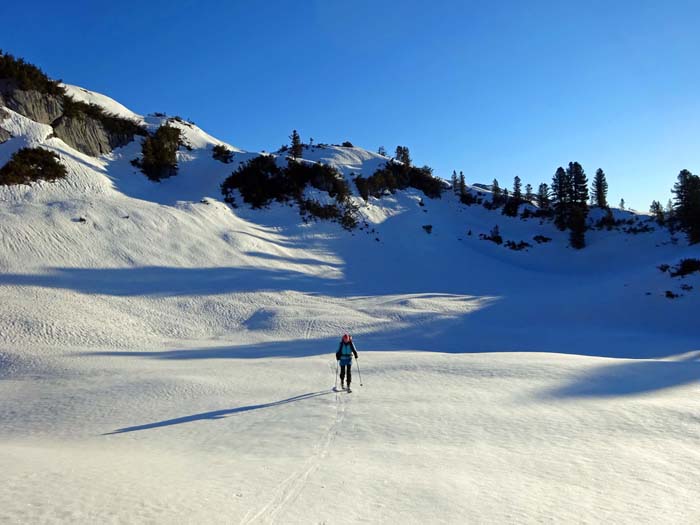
165	357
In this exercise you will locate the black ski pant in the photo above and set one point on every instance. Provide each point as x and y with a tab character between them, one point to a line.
343	369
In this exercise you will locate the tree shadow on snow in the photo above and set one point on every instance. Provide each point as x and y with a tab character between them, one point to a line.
630	378
217	414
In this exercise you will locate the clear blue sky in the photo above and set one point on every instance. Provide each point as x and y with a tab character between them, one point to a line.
495	89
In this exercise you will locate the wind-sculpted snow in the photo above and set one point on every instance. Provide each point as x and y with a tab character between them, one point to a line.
165	357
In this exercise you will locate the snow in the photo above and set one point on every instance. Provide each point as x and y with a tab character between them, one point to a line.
170	359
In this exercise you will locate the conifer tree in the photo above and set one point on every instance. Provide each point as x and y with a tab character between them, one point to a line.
577	225
403	156
669	208
496	189
528	193
600	189
658	211
622	204
462	184
455	188
517	188
543	196
579	185
560	198
295	149
686	207
381	151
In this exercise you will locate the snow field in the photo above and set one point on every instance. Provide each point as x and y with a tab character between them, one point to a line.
430	438
169	359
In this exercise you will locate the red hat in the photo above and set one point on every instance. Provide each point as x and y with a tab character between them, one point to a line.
347	338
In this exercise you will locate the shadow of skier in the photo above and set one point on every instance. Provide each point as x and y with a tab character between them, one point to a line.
217	414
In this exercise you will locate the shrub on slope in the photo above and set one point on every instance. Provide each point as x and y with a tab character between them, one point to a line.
159	151
222	154
32	164
397	176
261	180
27	76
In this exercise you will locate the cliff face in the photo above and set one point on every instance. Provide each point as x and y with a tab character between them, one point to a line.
84	133
40	107
4	134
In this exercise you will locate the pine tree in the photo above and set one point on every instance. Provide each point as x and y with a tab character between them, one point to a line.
686	208
455	187
295	150
658	211
543	196
381	151
496	189
577	224
529	197
403	156
462	185
579	185
622	204
560	198
517	188
600	189
669	206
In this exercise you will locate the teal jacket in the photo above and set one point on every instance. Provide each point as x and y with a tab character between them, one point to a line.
345	353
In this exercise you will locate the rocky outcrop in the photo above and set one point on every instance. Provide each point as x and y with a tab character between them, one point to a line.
4	134
84	127
40	107
84	134
89	135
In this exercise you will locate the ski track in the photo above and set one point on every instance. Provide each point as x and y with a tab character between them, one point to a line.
289	490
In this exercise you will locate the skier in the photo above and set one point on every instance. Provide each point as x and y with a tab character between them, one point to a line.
346	349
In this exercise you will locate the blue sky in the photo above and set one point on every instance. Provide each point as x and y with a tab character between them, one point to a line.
495	89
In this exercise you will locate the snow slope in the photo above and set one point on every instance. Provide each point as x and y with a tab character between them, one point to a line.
169	358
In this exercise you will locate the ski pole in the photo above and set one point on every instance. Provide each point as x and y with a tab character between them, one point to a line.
358	370
336	375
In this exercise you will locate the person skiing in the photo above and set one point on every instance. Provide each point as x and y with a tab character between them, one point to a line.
346	349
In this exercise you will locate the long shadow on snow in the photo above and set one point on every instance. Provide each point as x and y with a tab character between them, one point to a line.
217	414
630	378
169	281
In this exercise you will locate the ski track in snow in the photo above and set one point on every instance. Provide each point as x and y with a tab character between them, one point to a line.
289	490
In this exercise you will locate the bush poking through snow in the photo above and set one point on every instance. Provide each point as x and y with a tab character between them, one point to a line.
540	239
686	267
494	236
397	176
32	164
222	154
428	228
517	246
261	180
159	151
320	211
